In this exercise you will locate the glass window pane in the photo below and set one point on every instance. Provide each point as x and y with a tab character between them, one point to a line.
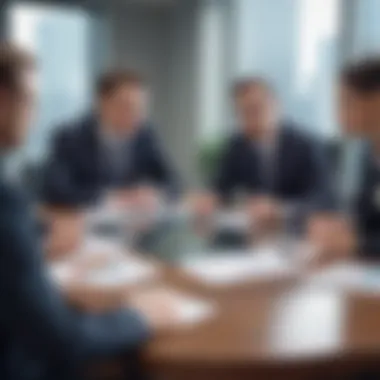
59	38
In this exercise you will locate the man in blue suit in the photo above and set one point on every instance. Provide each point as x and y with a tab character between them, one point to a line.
114	151
279	168
41	336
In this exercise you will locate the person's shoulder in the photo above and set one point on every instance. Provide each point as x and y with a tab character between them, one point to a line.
11	198
73	129
299	135
147	137
365	154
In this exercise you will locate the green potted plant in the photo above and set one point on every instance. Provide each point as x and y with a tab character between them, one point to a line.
209	155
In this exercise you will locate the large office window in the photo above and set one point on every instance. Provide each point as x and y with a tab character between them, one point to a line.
316	62
211	69
366	28
59	37
294	44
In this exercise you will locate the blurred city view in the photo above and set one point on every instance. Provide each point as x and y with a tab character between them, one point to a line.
190	51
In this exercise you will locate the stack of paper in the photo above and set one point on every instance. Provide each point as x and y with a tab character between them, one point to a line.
349	276
103	268
127	272
236	268
186	310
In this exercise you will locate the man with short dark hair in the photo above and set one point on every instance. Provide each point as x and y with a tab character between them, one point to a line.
41	336
359	108
109	81
271	161
114	151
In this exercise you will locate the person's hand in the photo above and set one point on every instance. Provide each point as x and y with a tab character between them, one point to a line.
146	198
204	205
331	237
266	214
66	232
157	308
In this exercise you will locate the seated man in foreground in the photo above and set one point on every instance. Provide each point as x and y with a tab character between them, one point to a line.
337	236
114	152
42	337
276	166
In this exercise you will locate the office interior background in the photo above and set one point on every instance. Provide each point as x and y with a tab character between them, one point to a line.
190	51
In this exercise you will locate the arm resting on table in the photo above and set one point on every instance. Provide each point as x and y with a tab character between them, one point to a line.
35	311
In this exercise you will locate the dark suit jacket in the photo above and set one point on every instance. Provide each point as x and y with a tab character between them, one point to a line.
299	171
39	332
78	170
367	206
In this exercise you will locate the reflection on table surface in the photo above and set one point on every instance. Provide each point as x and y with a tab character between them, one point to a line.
174	234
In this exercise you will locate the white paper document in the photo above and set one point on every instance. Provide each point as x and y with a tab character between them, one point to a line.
349	276
194	311
127	272
93	245
187	310
232	220
236	267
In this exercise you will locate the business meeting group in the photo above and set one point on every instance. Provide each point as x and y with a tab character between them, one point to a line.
271	180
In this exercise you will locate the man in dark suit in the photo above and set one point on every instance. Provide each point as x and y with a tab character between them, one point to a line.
278	167
114	151
357	229
41	336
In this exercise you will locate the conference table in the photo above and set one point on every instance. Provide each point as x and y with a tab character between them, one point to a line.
272	333
266	329
276	328
279	329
